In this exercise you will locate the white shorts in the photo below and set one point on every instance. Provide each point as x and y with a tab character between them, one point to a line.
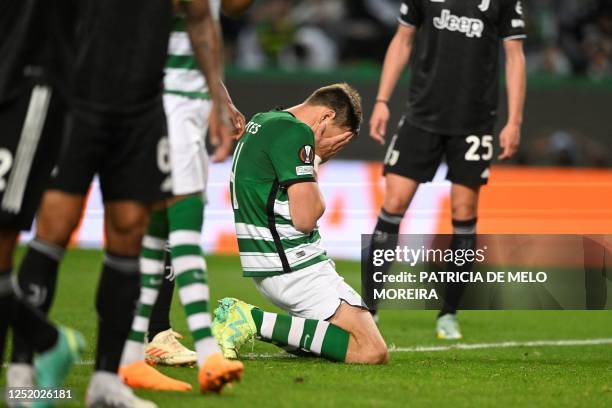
314	292
187	126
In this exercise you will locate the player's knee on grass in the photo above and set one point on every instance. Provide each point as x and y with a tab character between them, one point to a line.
366	345
367	351
58	217
125	224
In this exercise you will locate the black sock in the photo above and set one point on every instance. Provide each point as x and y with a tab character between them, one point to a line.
464	237
25	320
37	281
116	300
160	315
595	274
384	237
29	323
6	298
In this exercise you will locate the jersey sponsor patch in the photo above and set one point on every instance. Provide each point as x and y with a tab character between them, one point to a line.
304	170
306	154
471	27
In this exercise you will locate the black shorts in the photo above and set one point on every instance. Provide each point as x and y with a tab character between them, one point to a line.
131	158
31	127
416	154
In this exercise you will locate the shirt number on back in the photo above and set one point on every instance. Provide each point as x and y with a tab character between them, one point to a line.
164	163
6	162
475	143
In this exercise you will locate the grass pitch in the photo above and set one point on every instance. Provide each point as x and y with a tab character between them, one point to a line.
528	375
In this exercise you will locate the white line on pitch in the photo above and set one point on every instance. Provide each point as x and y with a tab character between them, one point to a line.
458	346
504	344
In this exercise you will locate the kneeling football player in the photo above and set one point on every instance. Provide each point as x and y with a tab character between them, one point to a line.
277	203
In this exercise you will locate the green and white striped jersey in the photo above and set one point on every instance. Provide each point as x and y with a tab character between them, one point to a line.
276	151
182	74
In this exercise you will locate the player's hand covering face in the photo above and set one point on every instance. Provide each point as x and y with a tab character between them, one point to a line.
330	139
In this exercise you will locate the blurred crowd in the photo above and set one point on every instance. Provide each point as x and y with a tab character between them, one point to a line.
567	37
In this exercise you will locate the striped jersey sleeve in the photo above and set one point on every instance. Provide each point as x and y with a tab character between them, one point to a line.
182	76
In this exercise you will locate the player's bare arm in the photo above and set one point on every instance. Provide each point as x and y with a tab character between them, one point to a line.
396	59
236	117
235	8
306	206
207	47
516	87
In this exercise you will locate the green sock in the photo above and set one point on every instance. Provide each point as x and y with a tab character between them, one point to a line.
151	275
317	336
186	219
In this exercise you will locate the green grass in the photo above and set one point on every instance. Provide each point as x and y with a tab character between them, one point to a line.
576	376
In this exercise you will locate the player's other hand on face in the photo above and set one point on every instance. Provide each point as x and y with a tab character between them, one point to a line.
509	140
221	133
378	122
326	146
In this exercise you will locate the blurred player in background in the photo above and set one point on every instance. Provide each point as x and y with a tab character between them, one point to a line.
118	131
451	112
277	203
187	104
31	119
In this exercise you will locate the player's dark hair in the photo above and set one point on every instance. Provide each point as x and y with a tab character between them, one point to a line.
344	100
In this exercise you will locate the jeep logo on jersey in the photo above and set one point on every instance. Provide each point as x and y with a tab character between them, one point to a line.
471	27
307	154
